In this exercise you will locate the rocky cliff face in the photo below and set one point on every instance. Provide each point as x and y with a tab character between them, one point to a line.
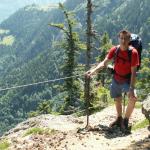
49	132
146	108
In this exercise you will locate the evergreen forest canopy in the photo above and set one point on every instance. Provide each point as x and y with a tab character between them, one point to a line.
32	51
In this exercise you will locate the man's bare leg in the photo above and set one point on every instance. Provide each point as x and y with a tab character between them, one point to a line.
118	105
129	110
130	107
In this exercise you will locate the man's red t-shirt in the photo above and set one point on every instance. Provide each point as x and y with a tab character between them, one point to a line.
123	67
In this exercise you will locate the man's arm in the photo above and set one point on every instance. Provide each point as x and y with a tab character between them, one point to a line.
133	77
132	81
134	64
100	66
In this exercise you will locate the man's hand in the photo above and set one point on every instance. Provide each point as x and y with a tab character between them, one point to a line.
101	65
89	73
132	94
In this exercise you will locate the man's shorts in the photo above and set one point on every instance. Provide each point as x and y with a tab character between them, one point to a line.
116	89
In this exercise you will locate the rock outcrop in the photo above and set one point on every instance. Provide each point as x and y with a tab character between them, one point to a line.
146	108
67	132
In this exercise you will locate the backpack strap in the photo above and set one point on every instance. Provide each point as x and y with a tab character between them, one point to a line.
117	53
130	53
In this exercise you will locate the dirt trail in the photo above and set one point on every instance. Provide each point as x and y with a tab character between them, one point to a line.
68	137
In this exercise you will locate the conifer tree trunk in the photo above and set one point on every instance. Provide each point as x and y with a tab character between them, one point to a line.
88	58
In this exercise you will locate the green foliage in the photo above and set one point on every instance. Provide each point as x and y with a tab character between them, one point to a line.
71	47
33	114
106	44
40	131
8	40
141	125
45	107
143	79
4	144
2	31
82	46
36	55
60	25
138	105
102	90
124	15
100	97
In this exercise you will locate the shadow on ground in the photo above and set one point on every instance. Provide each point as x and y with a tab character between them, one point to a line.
108	133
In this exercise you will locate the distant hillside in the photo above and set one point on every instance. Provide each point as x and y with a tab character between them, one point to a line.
8	7
26	41
30	52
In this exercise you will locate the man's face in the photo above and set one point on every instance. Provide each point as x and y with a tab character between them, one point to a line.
124	40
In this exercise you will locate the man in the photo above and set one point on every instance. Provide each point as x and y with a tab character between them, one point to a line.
123	78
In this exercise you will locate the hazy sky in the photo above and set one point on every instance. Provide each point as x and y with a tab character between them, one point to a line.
8	7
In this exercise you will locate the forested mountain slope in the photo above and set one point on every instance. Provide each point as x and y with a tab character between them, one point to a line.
30	52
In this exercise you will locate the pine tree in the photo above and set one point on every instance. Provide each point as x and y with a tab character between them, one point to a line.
71	45
106	44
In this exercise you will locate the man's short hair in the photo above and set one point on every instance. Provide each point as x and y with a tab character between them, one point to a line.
126	32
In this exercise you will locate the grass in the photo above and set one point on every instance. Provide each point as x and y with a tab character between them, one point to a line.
7	40
55	113
138	105
141	125
111	102
40	131
4	31
4	145
36	113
